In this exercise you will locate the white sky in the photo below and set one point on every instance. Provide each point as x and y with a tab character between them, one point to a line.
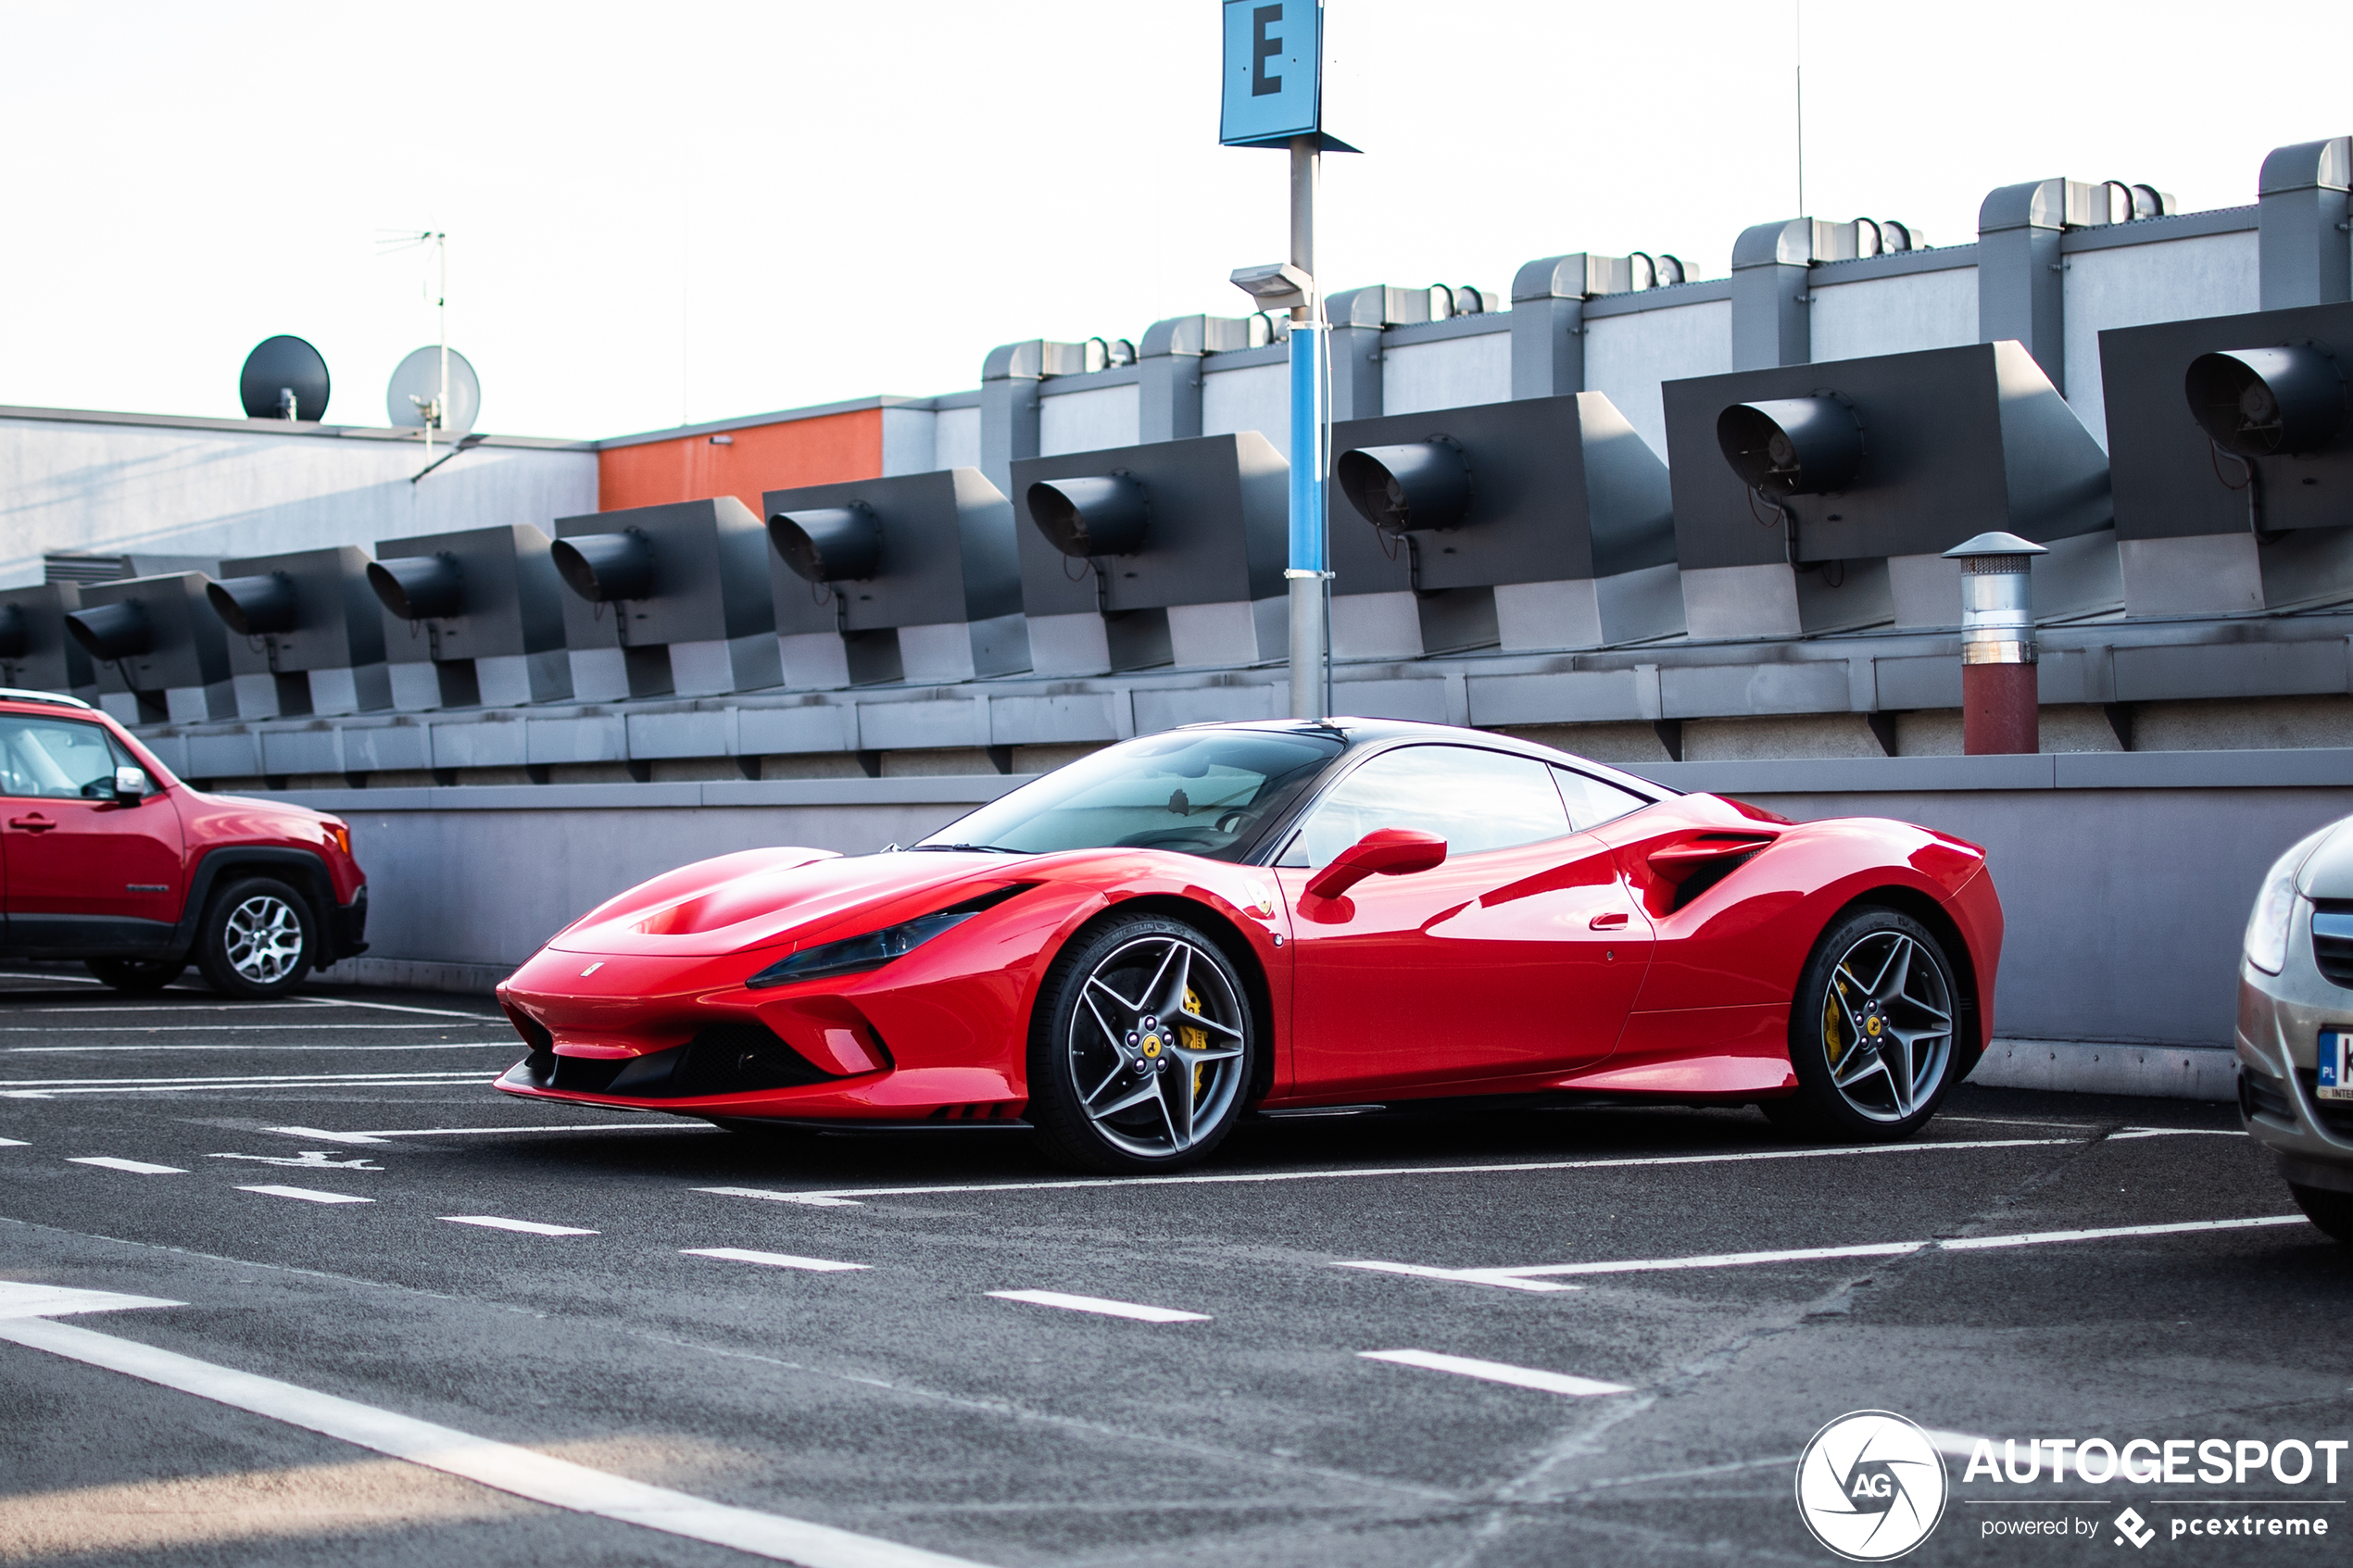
705	210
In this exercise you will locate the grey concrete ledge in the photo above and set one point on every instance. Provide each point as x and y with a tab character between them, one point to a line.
423	975
1453	326
1896	264
947	789
2095	1067
2320	767
1672	296
2157	231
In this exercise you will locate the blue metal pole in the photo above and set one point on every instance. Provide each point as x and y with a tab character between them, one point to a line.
1310	573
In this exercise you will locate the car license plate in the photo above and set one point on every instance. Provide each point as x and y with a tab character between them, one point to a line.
2335	1062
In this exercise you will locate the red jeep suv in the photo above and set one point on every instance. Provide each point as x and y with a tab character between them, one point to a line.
105	856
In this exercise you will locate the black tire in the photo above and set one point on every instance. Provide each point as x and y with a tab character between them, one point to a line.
2333	1211
137	977
243	945
1119	1042
1860	1079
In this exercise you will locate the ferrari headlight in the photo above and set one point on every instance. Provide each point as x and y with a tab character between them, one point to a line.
876	948
2274	914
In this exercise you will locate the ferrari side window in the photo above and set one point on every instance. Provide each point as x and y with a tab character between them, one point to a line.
1592	802
1474	799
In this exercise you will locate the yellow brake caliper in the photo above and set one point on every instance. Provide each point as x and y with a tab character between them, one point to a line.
1830	1031
1193	1039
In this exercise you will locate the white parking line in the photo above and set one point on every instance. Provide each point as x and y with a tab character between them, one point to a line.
308	1194
841	1196
137	1167
1498	1371
529	1228
221	1028
185	1008
558	1483
394	1007
14	1143
2177	1133
236	1045
21	1300
54	1088
381	1134
1098	1305
772	1259
1541	1276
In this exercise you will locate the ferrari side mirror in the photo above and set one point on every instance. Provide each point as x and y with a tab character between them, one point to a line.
1383	851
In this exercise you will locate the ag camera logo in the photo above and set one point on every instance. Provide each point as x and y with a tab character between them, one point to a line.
1870	1485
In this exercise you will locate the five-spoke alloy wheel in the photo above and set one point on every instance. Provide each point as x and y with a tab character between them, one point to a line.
1871	1030
1141	1051
256	941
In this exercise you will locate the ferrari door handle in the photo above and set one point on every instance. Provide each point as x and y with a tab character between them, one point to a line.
1613	920
31	825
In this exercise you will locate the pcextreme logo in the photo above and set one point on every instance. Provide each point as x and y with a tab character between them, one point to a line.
1870	1485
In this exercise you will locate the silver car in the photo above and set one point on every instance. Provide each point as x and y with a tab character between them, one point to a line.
2295	1024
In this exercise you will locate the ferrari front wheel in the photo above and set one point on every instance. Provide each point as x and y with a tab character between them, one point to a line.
1141	1048
1870	1031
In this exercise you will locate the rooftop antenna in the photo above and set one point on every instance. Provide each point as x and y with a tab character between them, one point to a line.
434	408
1800	32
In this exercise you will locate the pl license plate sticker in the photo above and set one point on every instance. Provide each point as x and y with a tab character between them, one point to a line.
2337	1070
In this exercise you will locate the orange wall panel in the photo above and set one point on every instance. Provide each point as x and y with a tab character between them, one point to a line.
829	449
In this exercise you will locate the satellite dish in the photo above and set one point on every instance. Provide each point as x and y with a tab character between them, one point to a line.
283	371
418	383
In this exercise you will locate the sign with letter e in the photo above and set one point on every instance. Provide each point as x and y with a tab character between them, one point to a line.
1273	71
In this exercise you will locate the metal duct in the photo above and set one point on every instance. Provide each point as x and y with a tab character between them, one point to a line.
829	544
417	587
2258	402
604	568
1399	489
1093	515
1793	446
112	631
255	607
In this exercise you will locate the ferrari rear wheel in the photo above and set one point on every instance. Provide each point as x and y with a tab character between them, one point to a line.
1141	1048
1870	1031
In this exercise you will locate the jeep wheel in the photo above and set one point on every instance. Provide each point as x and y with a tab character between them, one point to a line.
257	940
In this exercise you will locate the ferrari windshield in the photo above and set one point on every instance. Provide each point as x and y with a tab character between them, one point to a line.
1199	792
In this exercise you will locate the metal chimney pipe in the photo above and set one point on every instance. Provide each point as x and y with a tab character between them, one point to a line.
2000	706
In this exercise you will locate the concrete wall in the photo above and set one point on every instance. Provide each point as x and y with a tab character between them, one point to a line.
1628	356
1252	397
2133	285
1454	372
1091	421
956	438
2126	878
233	487
1894	315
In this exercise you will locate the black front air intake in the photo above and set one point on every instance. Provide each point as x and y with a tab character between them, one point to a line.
724	1059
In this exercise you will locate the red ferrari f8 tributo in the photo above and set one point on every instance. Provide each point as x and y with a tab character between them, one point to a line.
1133	952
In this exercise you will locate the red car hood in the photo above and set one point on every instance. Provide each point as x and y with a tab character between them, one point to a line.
763	897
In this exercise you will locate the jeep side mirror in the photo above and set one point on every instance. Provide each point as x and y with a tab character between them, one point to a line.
131	786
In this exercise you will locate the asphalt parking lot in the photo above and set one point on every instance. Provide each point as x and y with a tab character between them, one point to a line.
1473	1338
